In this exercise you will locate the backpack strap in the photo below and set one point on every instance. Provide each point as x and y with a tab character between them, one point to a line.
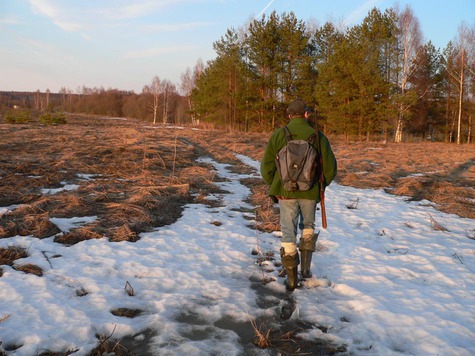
288	134
311	139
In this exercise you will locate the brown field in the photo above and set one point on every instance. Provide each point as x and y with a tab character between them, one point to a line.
144	175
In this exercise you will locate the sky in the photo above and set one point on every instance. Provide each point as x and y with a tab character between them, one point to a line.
385	282
124	44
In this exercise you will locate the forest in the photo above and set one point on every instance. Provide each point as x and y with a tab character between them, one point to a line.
377	80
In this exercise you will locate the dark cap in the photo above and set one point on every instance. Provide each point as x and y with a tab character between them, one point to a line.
297	107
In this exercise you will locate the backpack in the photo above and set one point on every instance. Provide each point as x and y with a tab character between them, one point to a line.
297	163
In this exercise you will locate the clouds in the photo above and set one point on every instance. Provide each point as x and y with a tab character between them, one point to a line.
360	12
89	17
86	16
65	18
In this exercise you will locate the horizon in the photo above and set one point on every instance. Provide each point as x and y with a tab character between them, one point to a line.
47	45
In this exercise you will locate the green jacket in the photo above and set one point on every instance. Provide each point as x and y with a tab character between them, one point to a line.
300	129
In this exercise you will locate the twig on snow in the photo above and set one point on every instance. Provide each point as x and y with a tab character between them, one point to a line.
435	225
458	257
128	289
4	318
47	258
354	205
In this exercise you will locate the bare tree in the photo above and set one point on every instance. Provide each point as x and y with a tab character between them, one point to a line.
187	85
168	91
48	92
463	67
63	93
154	89
37	100
409	41
66	98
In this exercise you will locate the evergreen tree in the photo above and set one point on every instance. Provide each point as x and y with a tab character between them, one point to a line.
277	53
427	115
351	90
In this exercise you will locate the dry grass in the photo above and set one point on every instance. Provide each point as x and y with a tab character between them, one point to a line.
124	233
441	173
30	268
261	335
127	176
140	178
9	255
287	342
126	312
266	212
77	235
107	345
21	223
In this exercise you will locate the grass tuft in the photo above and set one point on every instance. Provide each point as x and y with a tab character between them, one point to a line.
30	268
12	253
261	335
126	312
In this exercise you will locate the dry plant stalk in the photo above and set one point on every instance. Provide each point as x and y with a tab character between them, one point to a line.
261	337
174	161
354	204
47	258
128	289
4	318
458	257
435	225
107	346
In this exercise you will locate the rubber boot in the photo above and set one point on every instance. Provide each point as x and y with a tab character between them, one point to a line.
290	263
307	248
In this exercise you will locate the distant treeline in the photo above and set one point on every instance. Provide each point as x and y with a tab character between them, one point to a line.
374	80
110	102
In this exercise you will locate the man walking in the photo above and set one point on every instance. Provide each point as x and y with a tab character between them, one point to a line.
295	203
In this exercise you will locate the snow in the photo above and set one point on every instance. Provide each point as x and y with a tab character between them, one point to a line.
67	224
386	282
65	186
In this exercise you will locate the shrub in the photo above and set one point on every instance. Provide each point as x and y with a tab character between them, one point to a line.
17	116
53	118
